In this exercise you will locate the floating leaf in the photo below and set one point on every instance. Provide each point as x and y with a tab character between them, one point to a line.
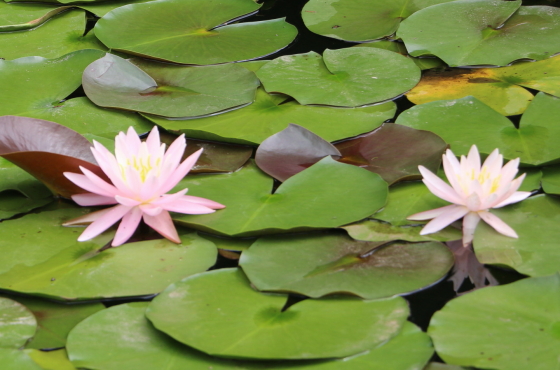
193	31
394	152
359	20
51	360
15	359
166	90
513	327
60	267
345	77
96	343
398	47
535	252
18	324
59	36
38	86
551	180
375	231
270	114
499	88
467	121
496	32
220	314
328	194
291	151
319	264
54	320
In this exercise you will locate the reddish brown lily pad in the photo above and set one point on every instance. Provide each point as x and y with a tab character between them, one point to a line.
46	150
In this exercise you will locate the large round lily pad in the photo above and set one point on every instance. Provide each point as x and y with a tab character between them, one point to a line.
121	338
359	20
535	252
510	327
319	264
495	32
193	31
467	121
61	35
327	194
270	114
348	77
18	324
220	314
39	87
60	267
167	90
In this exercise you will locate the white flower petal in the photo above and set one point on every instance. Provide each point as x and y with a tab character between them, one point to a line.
439	187
470	221
428	215
444	219
518	196
498	225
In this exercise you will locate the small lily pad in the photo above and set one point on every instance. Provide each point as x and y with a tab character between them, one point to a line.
18	324
166	90
270	114
376	231
193	31
513	327
348	77
327	194
319	264
220	314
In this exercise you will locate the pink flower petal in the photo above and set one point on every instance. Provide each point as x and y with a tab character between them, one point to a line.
428	215
83	182
150	210
125	201
514	198
447	218
470	221
86	219
127	226
473	202
438	187
450	172
498	225
162	224
104	222
108	189
180	172
204	202
186	207
153	142
90	199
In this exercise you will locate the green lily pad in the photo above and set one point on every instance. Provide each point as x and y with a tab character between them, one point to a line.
54	320
327	194
513	327
17	16
467	121
319	264
18	324
359	20
551	180
51	360
348	77
220	314
13	359
499	88
58	266
440	366
375	231
535	252
39	86
270	114
193	31
62	34
398	47
496	32
96	343
166	90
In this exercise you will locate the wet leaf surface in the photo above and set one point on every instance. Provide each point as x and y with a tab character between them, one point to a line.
249	320
18	324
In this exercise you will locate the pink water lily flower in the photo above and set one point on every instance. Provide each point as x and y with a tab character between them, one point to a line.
473	191
141	174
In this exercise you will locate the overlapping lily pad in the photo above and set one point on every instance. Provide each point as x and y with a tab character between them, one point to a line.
495	32
316	265
348	77
270	114
535	252
18	324
39	86
121	338
165	90
220	314
60	267
54	320
359	20
328	194
467	121
398	47
15	359
51	360
513	327
61	35
498	88
193	31
551	180
376	231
